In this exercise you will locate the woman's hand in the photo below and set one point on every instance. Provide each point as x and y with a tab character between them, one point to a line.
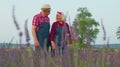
53	45
36	43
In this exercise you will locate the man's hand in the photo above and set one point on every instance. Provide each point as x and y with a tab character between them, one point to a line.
36	43
53	45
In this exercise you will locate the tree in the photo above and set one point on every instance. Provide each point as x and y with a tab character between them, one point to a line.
118	33
87	27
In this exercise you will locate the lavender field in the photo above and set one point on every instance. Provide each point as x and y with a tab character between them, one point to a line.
72	57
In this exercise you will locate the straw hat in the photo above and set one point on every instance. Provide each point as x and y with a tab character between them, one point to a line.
45	7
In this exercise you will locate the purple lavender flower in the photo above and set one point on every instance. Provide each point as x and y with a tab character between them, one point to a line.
104	31
20	36
27	33
14	19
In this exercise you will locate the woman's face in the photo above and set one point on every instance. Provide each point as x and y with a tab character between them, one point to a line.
58	17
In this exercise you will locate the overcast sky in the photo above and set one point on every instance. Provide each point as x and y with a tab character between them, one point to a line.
108	10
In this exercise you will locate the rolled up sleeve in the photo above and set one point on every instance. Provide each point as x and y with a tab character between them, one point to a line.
35	21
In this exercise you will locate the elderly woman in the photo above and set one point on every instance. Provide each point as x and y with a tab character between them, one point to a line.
60	32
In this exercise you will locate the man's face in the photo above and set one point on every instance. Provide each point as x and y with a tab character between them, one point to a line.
46	12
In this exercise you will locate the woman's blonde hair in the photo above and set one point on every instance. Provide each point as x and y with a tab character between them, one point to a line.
63	17
62	14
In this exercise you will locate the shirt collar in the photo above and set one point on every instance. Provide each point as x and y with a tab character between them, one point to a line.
60	23
43	16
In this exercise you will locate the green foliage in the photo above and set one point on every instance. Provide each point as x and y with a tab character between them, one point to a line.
87	27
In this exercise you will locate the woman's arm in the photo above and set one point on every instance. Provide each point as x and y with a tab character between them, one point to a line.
52	33
68	28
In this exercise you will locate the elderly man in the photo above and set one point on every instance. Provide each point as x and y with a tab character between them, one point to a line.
40	31
41	26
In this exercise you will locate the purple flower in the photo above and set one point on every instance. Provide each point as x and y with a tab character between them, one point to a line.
27	32
14	19
20	34
104	31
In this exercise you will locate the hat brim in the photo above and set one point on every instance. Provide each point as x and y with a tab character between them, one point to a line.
46	9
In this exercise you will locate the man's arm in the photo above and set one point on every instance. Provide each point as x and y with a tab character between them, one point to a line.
36	43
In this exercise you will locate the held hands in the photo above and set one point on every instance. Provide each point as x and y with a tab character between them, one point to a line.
36	43
53	45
